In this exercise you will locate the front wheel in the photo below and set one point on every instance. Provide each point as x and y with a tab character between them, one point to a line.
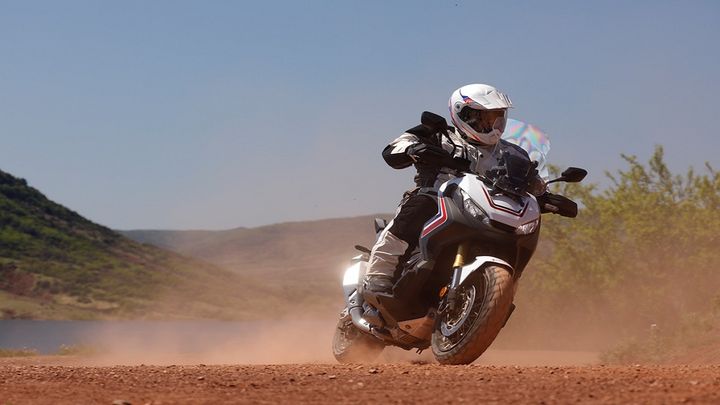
352	346
482	305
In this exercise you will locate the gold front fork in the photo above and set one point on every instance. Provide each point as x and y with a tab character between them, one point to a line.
461	255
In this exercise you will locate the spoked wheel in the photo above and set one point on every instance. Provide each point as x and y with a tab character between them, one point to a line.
352	346
482	305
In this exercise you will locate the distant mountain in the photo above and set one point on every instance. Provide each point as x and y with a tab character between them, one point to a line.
293	250
305	259
56	264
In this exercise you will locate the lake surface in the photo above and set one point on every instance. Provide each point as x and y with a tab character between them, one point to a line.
214	341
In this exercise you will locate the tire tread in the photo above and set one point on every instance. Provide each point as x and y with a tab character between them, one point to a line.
488	323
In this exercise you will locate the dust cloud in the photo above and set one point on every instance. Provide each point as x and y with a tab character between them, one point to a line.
277	342
213	342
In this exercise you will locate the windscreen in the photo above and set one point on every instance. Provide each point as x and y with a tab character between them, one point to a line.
530	138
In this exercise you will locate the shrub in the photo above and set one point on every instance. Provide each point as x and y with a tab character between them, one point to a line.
24	352
641	252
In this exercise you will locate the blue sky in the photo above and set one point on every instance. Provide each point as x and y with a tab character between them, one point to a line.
218	114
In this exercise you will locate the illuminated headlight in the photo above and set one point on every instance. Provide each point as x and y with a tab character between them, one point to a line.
352	275
528	228
471	207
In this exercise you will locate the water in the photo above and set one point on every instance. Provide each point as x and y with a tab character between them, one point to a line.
173	336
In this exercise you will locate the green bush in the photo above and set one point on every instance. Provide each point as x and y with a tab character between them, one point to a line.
642	251
24	352
76	350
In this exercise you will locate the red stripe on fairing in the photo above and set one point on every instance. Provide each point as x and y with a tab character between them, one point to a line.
501	208
437	222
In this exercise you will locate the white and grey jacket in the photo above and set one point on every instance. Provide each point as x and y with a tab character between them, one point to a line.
423	148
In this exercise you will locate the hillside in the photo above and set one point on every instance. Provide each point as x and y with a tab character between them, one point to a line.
305	260
287	250
55	264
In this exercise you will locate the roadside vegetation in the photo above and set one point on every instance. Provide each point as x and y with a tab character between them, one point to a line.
640	262
695	340
63	350
76	350
24	352
55	264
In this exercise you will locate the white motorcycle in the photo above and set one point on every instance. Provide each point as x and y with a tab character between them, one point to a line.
456	291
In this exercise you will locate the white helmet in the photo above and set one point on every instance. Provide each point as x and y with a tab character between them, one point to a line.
480	112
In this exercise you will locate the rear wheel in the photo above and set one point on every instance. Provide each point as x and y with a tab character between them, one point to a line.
483	303
352	346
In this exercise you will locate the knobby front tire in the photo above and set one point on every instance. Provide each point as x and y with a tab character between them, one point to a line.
492	292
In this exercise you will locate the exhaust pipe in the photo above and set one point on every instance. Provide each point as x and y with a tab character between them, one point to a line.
355	310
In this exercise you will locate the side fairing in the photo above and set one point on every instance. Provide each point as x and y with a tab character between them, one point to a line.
499	207
495	229
448	215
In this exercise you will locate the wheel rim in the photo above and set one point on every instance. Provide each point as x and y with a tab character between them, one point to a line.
455	319
455	325
344	337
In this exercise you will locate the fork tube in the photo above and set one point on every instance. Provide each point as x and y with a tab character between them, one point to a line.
459	262
457	271
460	256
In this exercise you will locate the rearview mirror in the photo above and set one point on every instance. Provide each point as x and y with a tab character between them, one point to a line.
571	175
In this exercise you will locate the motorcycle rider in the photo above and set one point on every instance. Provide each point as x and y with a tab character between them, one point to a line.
479	114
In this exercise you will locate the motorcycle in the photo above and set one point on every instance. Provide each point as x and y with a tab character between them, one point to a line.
455	292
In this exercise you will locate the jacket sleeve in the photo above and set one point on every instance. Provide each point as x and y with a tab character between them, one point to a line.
395	154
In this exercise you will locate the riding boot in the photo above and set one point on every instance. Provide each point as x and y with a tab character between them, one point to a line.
378	283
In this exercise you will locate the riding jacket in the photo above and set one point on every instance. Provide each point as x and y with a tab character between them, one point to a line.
438	156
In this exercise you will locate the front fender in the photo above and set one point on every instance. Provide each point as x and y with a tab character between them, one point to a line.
481	262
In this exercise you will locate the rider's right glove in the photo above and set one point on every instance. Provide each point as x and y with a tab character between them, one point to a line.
557	204
436	156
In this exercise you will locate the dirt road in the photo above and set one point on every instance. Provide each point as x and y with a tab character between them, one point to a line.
25	383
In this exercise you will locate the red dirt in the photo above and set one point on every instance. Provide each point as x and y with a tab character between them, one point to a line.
21	382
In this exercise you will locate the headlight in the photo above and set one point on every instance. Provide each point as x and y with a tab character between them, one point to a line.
528	228
352	275
473	209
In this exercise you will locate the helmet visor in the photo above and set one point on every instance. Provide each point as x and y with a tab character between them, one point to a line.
484	121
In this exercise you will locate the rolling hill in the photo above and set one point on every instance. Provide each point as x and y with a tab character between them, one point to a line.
55	264
291	250
305	260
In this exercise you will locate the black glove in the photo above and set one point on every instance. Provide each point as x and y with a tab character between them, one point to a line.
537	186
557	204
436	156
460	164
